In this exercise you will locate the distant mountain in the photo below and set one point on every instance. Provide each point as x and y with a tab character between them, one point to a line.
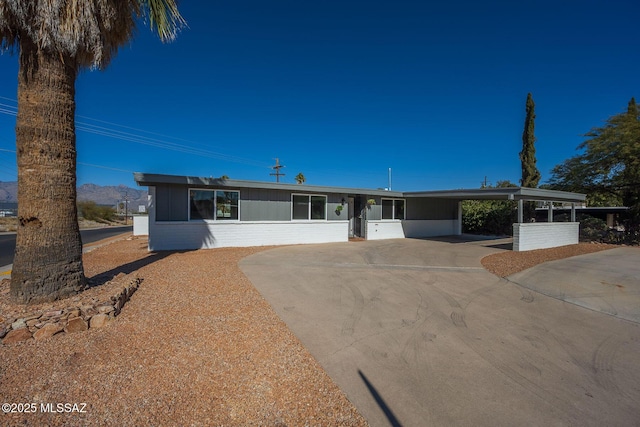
111	195
8	191
102	195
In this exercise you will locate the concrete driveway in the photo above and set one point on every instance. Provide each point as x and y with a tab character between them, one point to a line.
417	333
607	282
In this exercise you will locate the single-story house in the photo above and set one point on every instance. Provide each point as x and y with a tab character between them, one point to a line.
192	212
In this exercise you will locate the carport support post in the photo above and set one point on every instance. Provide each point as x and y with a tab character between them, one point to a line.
550	213
573	212
520	209
459	225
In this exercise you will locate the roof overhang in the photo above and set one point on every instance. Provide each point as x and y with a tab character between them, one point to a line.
592	209
507	193
146	179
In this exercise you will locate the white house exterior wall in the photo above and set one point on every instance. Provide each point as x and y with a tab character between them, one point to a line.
205	235
541	235
378	230
140	225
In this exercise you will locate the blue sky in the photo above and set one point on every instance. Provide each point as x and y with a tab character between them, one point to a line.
343	90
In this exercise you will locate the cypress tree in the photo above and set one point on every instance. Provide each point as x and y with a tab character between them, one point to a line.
530	173
632	109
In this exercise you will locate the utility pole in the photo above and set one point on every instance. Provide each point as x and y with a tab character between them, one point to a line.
484	184
126	209
277	172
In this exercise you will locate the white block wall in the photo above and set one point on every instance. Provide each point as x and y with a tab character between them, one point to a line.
140	225
431	228
542	235
204	235
378	230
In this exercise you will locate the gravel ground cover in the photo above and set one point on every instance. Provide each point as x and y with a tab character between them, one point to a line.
506	263
195	345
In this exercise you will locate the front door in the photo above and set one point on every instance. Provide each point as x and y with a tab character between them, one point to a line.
352	220
356	211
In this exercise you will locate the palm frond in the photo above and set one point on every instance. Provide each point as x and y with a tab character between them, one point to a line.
164	18
89	31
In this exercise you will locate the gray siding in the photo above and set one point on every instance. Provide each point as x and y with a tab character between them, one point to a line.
429	208
256	204
333	201
172	203
374	212
265	205
275	205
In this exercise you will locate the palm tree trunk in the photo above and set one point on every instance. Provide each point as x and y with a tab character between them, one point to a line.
48	257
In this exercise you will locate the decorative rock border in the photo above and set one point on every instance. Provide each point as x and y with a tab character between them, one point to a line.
72	319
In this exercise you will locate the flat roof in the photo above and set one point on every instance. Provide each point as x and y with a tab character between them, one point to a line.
154	179
592	209
508	193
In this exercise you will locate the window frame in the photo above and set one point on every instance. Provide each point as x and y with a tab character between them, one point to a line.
309	203
393	209
215	217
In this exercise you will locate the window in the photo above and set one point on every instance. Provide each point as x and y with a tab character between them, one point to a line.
387	209
305	207
318	205
227	205
201	204
213	205
300	207
392	209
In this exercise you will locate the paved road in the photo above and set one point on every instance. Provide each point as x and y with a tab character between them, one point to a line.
8	240
416	333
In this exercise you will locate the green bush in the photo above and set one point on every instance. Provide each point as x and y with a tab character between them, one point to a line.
592	229
89	210
492	217
595	229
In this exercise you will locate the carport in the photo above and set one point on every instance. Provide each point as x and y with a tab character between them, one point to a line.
526	236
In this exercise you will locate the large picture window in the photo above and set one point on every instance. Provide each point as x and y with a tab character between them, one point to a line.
306	207
392	209
213	205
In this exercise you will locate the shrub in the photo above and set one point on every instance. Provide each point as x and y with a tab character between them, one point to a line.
592	228
493	217
89	210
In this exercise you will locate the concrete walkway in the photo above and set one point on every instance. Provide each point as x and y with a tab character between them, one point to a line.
417	333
